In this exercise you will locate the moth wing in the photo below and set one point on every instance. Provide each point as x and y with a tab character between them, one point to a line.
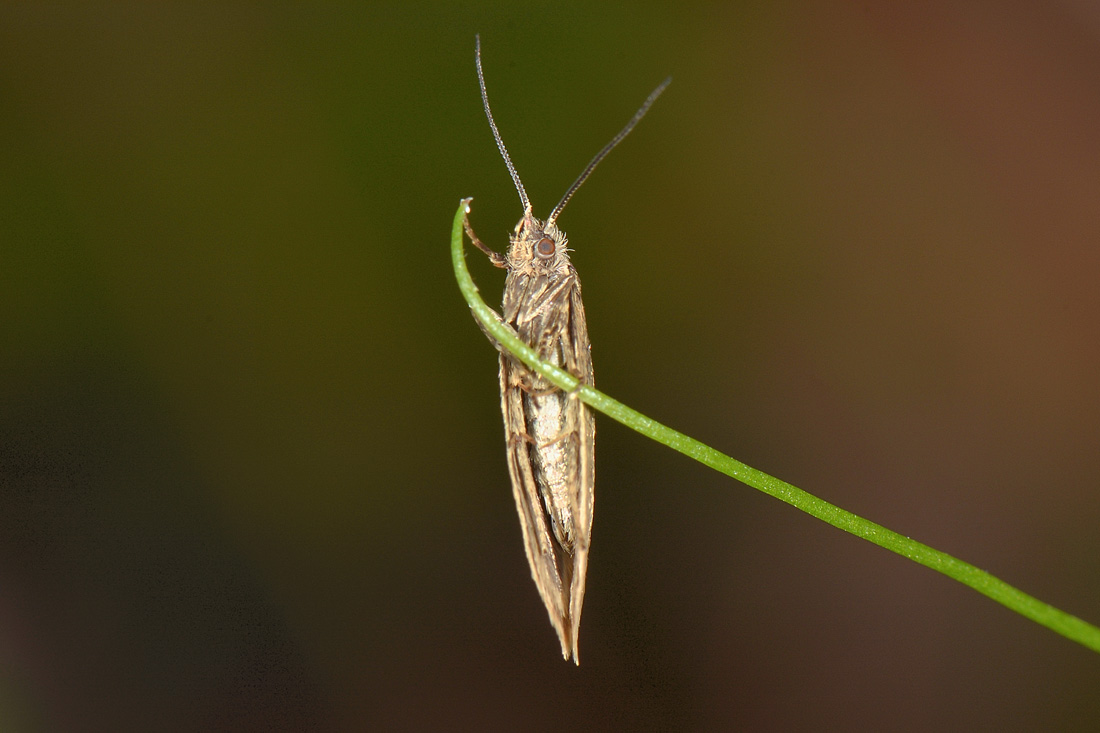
541	552
549	316
577	358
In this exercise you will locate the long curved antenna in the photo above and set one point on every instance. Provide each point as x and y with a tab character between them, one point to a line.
606	148
496	133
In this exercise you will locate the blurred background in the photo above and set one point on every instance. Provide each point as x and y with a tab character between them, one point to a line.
252	468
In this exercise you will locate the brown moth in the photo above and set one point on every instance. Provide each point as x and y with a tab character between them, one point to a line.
549	433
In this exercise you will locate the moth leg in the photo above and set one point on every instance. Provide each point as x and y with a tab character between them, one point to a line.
492	339
536	392
495	257
563	435
547	391
572	394
522	436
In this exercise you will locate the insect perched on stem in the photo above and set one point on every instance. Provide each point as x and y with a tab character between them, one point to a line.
549	433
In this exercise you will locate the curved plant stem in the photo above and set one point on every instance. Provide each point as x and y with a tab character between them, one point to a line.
1028	606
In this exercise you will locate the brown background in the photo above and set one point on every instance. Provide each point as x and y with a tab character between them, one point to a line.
250	450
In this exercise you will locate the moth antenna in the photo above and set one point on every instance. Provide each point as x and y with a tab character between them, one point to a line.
496	133
606	148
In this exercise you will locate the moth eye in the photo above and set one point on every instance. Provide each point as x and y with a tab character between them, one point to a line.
545	247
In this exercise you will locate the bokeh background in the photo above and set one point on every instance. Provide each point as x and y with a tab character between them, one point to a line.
252	469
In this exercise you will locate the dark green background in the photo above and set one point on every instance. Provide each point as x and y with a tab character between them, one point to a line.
252	464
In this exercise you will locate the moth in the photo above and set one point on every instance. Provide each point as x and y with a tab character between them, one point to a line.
549	433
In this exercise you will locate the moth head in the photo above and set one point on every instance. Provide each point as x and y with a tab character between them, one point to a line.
538	246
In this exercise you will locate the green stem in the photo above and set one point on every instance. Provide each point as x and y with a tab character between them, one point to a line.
1028	606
